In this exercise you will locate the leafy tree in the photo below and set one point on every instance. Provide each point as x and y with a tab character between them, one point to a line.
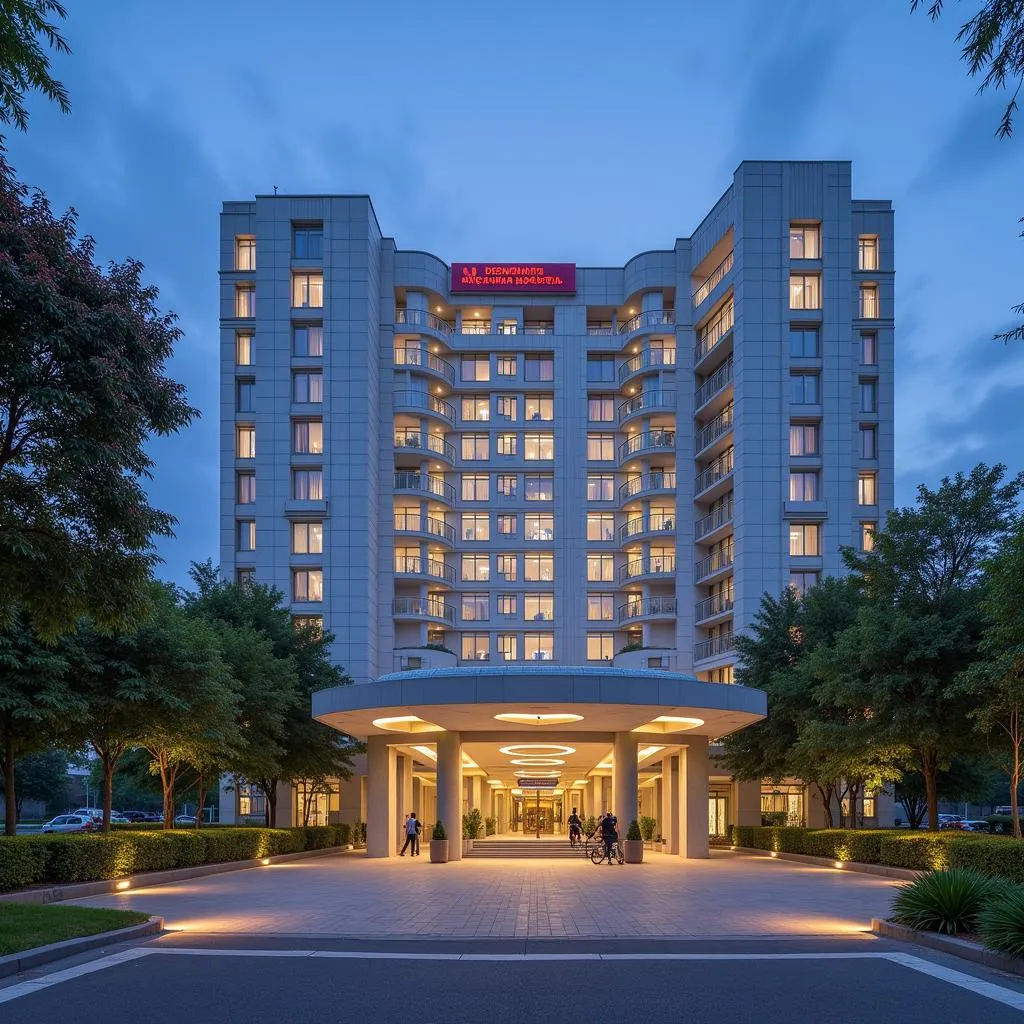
24	64
966	779
42	776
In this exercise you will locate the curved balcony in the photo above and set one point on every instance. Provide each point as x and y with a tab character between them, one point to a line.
424	483
715	333
425	568
714	386
715	429
428	527
713	648
410	441
647	359
421	319
647	401
703	291
649	320
649	608
716	564
430	608
647	483
713	522
419	358
648	441
716	607
719	470
653	566
422	401
642	526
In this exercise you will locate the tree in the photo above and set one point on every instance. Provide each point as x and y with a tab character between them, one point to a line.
967	779
24	64
42	776
82	389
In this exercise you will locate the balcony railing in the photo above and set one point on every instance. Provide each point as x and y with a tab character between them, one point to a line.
715	562
652	318
647	400
718	381
719	604
427	607
714	429
600	330
713	520
539	328
421	318
714	647
423	400
414	522
654	565
474	328
426	484
647	482
640	608
410	437
412	355
657	523
713	279
417	566
648	440
646	359
718	470
714	331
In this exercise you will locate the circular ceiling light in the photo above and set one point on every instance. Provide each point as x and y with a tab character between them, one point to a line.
538	762
525	718
526	773
406	723
536	750
670	723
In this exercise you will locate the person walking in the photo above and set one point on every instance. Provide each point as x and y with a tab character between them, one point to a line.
412	835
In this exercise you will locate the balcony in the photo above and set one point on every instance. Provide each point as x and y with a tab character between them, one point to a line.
659	523
647	401
713	521
714	607
409	440
647	359
421	318
719	470
713	280
421	401
647	608
714	429
713	648
655	565
432	568
424	483
425	526
713	386
663	658
423	608
651	320
600	330
647	441
715	564
647	483
714	333
418	357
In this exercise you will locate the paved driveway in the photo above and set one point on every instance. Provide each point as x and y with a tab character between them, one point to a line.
350	895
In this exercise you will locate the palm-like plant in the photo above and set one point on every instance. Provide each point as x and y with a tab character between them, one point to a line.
946	901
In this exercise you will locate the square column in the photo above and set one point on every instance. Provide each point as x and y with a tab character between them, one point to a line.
625	779
694	789
381	780
747	802
449	790
670	802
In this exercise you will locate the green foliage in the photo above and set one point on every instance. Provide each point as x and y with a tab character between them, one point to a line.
440	832
945	901
44	777
784	839
990	855
589	825
633	832
928	851
28	925
648	828
1001	922
24	64
472	824
490	826
861	845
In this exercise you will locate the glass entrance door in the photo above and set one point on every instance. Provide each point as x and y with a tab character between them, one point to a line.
532	815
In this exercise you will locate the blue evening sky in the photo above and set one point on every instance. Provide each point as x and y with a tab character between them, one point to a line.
559	131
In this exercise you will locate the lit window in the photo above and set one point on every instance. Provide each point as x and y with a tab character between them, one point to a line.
507	524
506	484
867	489
507	604
308	340
506	366
476	567
507	444
476	527
506	568
801	582
307	437
601	369
308	243
869	301
804	241
869	442
307	585
867	536
307	538
476	447
245	395
803	439
869	348
539	367
539	487
308	388
600	526
245	348
307	290
600	487
246	488
476	647
507	407
475	486
539	646
538	568
539	527
600	447
476	410
243	577
246	535
476	607
308	484
599	646
314	623
538	607
803	342
508	327
539	407
245	300
507	647
804	291
245	252
869	396
804	539
803	486
867	252
538	447
245	442
600	568
600	607
600	408
803	388
476	368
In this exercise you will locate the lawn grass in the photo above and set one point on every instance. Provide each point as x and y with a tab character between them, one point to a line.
26	925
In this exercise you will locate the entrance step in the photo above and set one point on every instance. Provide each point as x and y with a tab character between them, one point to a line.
526	849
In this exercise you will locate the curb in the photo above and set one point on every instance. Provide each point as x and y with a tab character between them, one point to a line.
78	890
950	944
15	963
883	870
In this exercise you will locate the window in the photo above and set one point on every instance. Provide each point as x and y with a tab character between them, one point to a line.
476	409
507	444
507	484
867	252
476	647
539	367
245	349
307	585
600	447
506	567
507	524
539	407
869	348
801	582
506	366
803	342
803	439
867	536
600	607
507	604
476	368
246	494
599	646
476	567
245	442
507	647
867	489
803	486
308	388
476	607
539	527
311	622
869	442
869	301
804	539
476	447
538	447
600	568
601	369
804	241
507	407
538	607
803	388
475	486
245	252
246	538
243	577
869	396
307	291
539	646
538	568
600	487
508	326
245	394
600	526
308	243
476	527
308	340
539	487
245	300
804	291
308	484
600	408
307	538
307	437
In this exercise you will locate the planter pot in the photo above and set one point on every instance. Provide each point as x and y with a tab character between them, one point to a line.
467	845
633	851
659	847
438	851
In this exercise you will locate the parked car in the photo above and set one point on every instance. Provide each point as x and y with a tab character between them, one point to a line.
185	819
119	819
93	812
976	826
134	816
70	823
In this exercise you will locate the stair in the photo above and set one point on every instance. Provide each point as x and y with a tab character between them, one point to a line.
548	848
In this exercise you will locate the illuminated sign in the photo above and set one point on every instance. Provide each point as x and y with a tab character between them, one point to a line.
536	783
514	277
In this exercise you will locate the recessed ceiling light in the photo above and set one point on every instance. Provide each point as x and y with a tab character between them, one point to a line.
406	723
524	718
670	723
536	750
538	762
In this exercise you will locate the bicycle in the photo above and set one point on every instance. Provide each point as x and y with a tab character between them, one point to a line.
598	854
575	835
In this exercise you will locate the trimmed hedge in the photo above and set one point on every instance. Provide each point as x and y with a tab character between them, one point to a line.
990	855
860	845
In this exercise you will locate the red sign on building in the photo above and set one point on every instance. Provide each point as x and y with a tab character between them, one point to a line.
514	277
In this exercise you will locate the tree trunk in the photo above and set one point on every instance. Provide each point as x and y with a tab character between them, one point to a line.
108	789
826	801
272	805
930	770
11	800
201	785
1015	740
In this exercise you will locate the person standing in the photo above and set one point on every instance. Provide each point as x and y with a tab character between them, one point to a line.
609	833
412	835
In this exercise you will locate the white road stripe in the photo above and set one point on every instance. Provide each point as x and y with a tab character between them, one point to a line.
1007	996
24	988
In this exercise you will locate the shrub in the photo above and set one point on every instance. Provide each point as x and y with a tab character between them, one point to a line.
648	826
472	823
440	832
633	832
343	834
490	826
920	851
21	863
1001	922
780	839
777	818
319	837
861	845
1001	824
945	901
989	855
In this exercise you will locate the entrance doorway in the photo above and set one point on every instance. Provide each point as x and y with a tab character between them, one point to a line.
718	814
533	814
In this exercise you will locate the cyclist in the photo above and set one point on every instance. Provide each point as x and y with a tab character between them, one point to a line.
609	833
575	828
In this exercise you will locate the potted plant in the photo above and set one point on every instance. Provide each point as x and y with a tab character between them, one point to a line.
648	826
472	823
633	847
439	844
